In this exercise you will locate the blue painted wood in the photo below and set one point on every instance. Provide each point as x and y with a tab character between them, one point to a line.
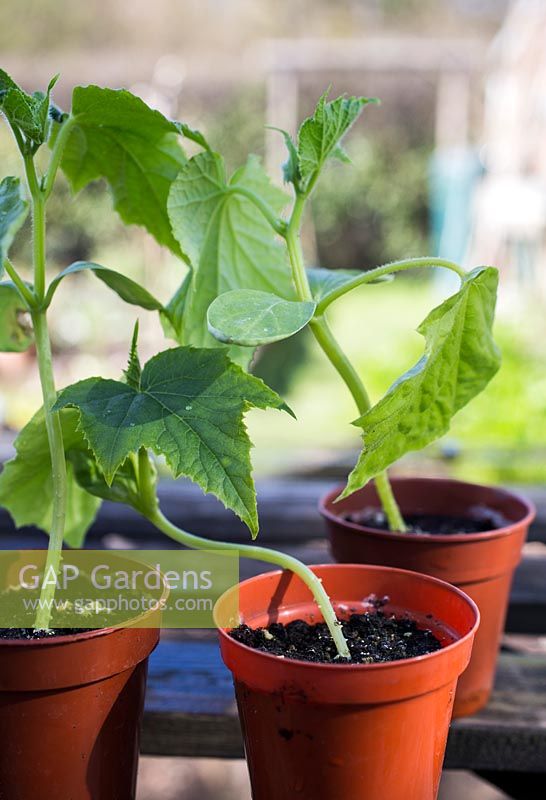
190	711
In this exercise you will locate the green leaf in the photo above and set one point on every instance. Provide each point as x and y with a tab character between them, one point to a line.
229	243
319	136
189	408
28	113
26	485
118	137
252	318
127	289
15	333
460	359
323	282
172	315
13	212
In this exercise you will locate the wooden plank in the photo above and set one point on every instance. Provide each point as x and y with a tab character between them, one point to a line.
190	711
190	706
287	507
510	734
526	613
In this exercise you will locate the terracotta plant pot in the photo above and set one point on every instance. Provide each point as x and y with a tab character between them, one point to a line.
70	714
341	732
482	564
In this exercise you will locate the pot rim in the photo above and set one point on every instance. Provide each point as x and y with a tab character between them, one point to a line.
69	638
432	537
347	668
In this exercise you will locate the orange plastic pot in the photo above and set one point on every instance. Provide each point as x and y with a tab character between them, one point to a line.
482	564
70	714
342	732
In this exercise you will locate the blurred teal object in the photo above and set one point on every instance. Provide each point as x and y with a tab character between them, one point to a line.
453	175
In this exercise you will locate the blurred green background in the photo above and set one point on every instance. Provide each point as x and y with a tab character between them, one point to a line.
186	61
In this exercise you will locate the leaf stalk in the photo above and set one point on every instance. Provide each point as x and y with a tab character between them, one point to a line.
27	295
331	348
278	225
271	557
388	269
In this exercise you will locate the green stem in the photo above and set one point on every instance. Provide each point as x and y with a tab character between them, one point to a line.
340	362
26	293
388	269
388	502
150	509
262	554
49	394
146	482
295	250
38	227
335	354
58	465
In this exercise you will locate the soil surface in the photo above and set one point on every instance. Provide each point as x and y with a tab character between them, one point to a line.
30	633
373	637
480	520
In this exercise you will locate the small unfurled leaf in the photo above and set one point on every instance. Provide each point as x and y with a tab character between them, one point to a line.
15	331
26	485
341	155
127	289
291	167
460	359
13	212
133	372
229	243
323	282
193	135
190	409
319	136
28	113
251	318
119	138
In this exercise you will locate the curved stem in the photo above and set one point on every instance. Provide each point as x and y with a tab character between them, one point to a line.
26	293
57	154
278	225
340	362
58	466
335	354
262	554
388	269
17	136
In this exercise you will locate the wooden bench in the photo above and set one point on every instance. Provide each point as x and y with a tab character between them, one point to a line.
190	707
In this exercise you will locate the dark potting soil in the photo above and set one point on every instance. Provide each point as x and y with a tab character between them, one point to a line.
481	519
372	637
30	633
